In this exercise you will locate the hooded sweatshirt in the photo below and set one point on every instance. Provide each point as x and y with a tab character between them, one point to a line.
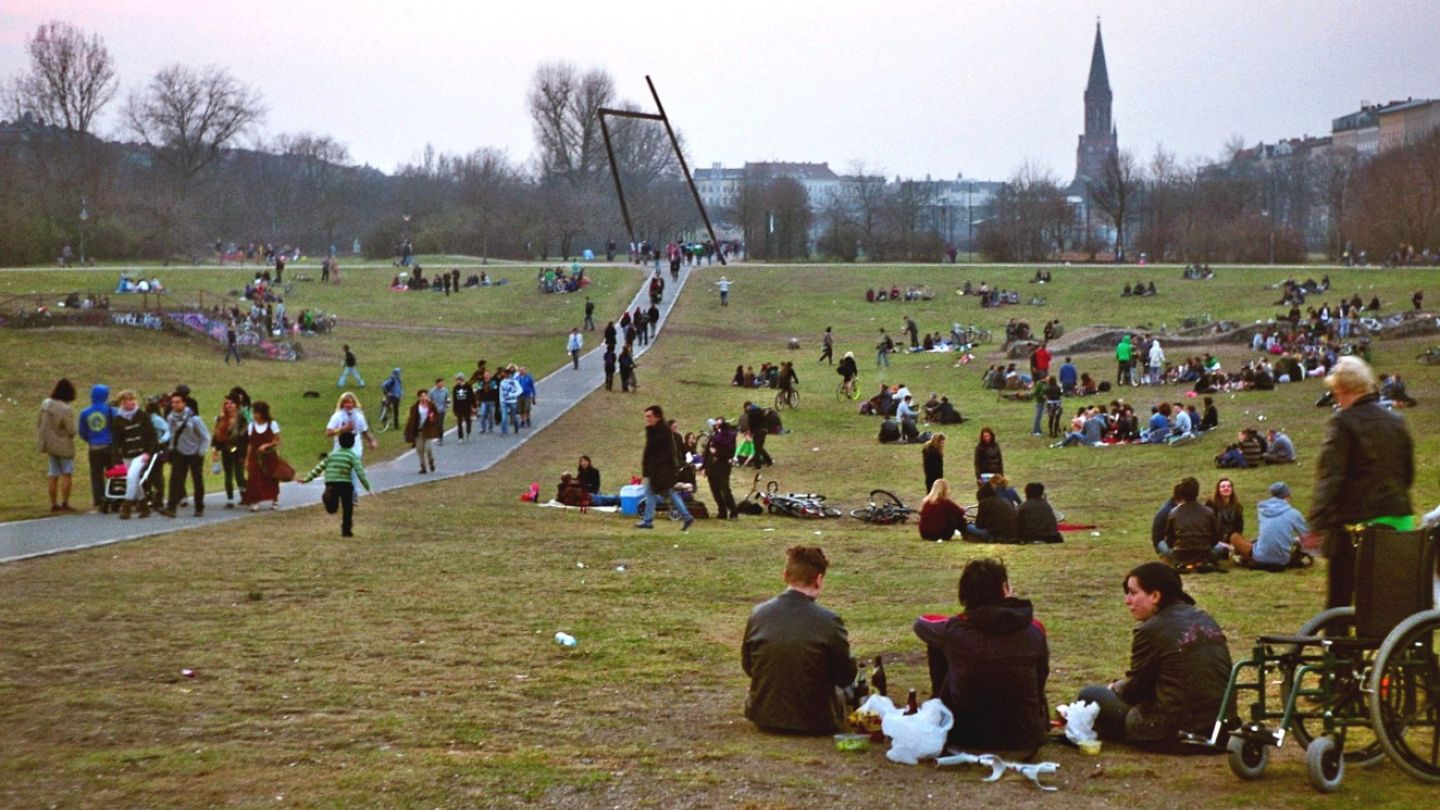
95	420
1280	526
995	663
188	434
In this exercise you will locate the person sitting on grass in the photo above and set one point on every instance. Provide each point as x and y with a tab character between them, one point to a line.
797	654
1280	449
1192	534
1281	527
940	517
1035	520
1179	666
989	664
994	518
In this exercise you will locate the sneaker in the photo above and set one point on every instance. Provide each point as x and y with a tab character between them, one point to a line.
685	527
167	512
347	534
199	513
229	504
644	525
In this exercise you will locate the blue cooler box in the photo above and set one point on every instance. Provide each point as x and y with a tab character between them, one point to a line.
630	497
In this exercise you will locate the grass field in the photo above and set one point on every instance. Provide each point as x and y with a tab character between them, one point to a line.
414	666
427	335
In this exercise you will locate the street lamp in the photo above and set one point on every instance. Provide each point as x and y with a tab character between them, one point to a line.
84	216
1270	224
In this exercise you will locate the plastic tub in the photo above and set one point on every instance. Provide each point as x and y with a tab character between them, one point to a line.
630	497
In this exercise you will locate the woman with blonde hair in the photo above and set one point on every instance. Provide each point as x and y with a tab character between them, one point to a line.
932	455
940	517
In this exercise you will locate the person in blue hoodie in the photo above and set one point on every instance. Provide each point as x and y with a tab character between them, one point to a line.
393	389
1281	527
95	422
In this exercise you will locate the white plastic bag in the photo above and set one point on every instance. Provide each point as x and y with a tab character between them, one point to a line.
1080	720
917	736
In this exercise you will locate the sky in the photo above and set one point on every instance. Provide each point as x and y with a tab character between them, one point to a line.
912	88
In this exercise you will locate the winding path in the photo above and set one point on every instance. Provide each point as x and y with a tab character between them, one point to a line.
558	393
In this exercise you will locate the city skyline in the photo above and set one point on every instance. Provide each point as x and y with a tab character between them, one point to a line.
938	90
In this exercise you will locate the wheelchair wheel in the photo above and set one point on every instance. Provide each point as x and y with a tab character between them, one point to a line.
1362	747
1405	696
1248	758
1324	765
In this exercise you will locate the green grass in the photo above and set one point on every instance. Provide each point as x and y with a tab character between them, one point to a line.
414	666
427	335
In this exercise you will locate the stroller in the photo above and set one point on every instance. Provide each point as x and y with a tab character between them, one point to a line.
115	485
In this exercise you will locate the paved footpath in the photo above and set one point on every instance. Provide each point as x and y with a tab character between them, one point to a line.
556	394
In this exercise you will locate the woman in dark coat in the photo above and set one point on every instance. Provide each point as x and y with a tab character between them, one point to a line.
932	455
988	459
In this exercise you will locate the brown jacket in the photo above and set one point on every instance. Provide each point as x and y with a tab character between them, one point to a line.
413	428
56	429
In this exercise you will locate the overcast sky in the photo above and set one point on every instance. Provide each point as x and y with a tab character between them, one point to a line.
914	87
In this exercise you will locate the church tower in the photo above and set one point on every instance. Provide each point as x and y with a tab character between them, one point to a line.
1098	144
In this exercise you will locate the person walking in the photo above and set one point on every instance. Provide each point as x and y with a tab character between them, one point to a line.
349	370
489	394
1363	475
527	395
96	429
135	444
1123	354
393	388
440	398
573	346
883	349
660	465
421	428
232	348
626	365
264	444
827	346
463	397
56	433
608	359
724	285
717	467
189	439
509	401
589	314
227	443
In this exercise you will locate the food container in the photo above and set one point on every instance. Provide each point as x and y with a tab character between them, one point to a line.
852	743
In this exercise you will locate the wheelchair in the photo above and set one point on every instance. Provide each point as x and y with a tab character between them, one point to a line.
1356	684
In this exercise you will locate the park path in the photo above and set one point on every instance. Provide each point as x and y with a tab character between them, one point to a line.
556	394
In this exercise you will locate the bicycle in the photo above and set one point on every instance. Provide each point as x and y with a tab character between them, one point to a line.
847	390
385	416
884	509
787	398
793	504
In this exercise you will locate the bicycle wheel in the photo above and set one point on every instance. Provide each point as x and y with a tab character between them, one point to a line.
884	499
865	514
384	418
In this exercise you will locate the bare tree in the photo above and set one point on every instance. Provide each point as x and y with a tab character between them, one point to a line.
865	188
488	188
189	116
563	104
1115	190
323	178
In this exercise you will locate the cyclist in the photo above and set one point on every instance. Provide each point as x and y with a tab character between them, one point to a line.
788	380
848	372
393	389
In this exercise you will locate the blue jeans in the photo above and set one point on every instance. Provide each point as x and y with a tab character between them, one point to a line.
508	417
677	504
1039	412
487	416
349	371
882	359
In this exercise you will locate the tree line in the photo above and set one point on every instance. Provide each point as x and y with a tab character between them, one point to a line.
187	165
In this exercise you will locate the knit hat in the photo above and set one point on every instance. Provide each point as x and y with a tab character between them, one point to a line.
1279	489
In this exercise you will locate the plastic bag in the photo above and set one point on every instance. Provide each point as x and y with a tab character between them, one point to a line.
1080	720
918	736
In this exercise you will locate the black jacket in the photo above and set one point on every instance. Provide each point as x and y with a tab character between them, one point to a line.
660	462
1192	527
1179	667
796	654
589	478
996	516
134	436
1035	522
1365	469
997	661
988	459
934	462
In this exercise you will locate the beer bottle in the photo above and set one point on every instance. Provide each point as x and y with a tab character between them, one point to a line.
878	679
911	705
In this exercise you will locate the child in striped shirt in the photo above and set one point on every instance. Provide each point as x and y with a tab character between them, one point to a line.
339	487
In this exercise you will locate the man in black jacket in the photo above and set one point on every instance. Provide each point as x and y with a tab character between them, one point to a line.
797	654
989	664
660	466
1035	520
1363	475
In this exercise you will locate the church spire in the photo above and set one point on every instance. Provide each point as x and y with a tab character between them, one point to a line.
1099	76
